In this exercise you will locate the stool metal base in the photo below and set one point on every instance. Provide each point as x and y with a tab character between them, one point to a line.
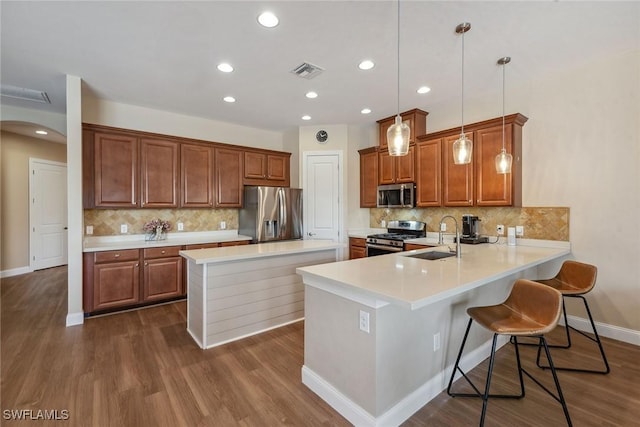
559	397
597	340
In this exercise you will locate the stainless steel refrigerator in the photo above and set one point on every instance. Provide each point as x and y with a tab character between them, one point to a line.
271	213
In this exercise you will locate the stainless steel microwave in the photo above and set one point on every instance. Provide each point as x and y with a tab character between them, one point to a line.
396	195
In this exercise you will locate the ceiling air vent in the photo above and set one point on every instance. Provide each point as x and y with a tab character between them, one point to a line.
307	71
25	94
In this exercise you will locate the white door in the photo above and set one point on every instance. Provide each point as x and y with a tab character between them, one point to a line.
47	213
321	196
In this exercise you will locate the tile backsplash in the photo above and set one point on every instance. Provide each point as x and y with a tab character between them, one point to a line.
545	223
106	222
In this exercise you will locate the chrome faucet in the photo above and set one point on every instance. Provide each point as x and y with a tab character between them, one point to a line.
441	241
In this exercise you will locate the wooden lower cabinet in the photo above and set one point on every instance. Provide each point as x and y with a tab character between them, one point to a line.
357	247
111	279
414	246
162	273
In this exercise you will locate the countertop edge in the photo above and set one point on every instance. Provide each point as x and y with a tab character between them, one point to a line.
247	252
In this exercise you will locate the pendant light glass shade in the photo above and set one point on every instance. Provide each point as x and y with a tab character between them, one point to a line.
398	133
503	159
462	150
398	138
463	147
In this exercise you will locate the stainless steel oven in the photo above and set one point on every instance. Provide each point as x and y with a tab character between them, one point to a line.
393	240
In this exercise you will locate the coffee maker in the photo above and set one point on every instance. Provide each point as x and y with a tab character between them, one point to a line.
471	230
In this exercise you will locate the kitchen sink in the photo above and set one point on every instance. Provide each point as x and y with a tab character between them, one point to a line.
433	255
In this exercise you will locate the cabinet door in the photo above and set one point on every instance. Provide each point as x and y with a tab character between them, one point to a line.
405	167
386	168
384	127
255	165
492	188
457	179
116	284
368	178
196	176
276	167
162	278
357	247
228	178
429	173
115	171
159	173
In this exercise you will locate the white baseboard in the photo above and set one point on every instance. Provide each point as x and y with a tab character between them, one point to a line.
629	336
408	406
15	272
74	319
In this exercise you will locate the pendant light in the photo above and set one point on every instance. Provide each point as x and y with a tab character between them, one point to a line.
503	159
398	133
463	146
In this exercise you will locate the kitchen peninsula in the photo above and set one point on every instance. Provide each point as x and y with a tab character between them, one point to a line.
235	292
381	333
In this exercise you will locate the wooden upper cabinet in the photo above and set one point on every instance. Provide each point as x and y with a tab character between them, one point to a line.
196	176
369	177
457	180
266	169
159	160
396	170
416	120
115	170
228	177
492	188
429	173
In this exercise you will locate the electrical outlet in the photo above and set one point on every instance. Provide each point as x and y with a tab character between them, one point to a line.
180	226
443	227
89	229
519	230
436	341
383	223
223	225
123	228
500	229
364	321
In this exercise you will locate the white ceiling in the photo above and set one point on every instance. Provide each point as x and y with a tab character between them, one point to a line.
164	55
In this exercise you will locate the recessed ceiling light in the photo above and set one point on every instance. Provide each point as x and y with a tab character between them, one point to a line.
225	68
311	95
366	65
365	110
424	89
42	132
229	99
306	117
268	19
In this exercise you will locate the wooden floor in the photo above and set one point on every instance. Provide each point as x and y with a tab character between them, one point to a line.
141	368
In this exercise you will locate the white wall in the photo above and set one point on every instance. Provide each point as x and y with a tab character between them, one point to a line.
581	149
108	113
57	122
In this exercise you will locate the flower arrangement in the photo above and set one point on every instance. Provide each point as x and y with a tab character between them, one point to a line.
156	229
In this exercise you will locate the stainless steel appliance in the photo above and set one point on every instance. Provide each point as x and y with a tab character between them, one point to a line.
393	240
271	213
471	230
396	195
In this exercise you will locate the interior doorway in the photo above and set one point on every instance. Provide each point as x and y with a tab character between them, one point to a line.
47	214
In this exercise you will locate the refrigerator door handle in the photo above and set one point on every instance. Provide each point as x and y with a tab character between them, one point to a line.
282	213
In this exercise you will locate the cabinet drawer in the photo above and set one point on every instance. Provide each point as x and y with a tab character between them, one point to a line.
113	256
202	246
167	251
234	243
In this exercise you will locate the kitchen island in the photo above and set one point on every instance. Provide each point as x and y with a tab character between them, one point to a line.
234	292
382	333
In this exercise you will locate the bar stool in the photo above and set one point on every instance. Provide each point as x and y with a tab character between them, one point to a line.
531	310
573	281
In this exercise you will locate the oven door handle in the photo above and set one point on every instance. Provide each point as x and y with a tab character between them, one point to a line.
384	248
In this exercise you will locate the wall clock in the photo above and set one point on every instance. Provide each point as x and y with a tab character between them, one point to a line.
322	136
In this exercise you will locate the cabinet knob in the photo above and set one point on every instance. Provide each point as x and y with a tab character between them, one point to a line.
137	264
163	252
117	255
146	263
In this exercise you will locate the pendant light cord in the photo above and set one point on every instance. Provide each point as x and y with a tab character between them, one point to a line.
503	79
462	103
398	51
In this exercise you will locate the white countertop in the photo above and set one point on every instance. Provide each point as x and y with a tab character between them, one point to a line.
415	283
364	232
260	250
136	241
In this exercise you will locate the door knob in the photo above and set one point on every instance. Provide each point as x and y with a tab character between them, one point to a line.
66	228
311	234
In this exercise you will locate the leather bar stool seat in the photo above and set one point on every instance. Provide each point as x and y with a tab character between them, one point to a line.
530	310
573	281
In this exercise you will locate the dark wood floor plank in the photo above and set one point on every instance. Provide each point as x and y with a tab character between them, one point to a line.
141	368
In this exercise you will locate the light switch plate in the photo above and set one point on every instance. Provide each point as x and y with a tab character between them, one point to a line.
123	228
89	229
519	230
180	226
